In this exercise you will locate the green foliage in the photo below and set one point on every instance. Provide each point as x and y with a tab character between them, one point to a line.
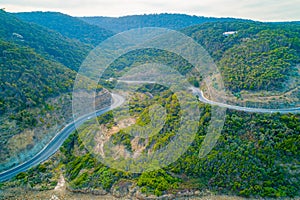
170	21
85	171
22	175
257	155
106	118
105	177
27	79
48	43
157	182
80	181
262	63
122	138
260	56
24	119
68	26
40	177
142	56
36	66
77	164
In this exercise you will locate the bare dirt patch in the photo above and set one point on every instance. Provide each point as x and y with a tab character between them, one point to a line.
105	134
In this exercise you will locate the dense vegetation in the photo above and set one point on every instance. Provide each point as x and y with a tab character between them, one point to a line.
27	79
141	56
68	26
46	42
37	76
171	21
258	57
258	155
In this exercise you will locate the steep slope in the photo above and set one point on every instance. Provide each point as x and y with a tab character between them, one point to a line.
35	102
68	26
37	67
257	155
49	43
27	78
259	56
28	117
171	21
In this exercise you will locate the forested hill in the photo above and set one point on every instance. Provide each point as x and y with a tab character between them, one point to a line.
257	56
28	79
37	67
44	41
27	83
68	26
171	21
257	155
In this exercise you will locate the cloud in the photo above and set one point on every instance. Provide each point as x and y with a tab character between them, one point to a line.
265	10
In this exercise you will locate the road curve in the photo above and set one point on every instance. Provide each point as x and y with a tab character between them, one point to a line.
57	141
203	99
118	100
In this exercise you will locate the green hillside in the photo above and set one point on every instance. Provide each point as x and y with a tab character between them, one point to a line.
27	78
260	56
170	21
257	155
37	67
44	41
68	26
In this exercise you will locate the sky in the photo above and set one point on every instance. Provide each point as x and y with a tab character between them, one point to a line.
261	10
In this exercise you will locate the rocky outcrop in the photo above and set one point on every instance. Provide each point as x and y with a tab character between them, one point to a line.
88	191
122	189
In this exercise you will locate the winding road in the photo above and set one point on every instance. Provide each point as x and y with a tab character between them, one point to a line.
203	99
57	141
118	100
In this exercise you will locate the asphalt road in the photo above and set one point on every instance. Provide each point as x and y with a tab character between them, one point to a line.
118	100
57	141
202	98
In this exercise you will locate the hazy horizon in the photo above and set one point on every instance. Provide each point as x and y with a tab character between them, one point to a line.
267	10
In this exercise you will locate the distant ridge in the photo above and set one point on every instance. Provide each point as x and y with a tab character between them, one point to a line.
68	26
171	21
50	44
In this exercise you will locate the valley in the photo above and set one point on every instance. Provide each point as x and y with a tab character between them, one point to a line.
48	151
